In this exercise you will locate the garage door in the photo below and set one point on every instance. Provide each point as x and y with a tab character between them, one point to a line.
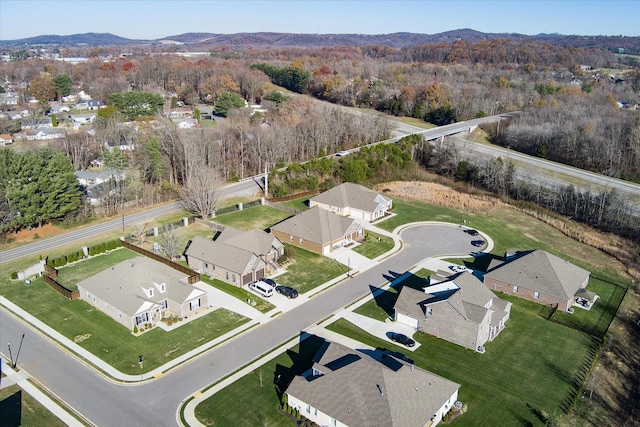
406	320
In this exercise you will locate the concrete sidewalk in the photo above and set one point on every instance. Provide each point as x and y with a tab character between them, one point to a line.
22	380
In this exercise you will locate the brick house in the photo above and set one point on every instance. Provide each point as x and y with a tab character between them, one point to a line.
538	276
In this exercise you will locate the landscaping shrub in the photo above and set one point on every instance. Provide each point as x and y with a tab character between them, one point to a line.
14	275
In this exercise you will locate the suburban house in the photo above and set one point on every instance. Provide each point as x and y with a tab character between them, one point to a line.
539	277
224	261
5	139
461	310
44	134
87	178
89	104
265	245
354	200
318	230
140	291
347	388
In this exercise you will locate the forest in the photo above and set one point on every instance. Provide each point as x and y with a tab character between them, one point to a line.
577	107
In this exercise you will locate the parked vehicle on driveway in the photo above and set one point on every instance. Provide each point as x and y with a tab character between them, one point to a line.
402	339
478	243
287	291
270	282
261	288
471	232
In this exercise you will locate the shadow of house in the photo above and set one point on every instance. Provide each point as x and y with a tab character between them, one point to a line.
11	410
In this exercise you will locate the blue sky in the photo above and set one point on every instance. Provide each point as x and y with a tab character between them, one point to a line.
151	19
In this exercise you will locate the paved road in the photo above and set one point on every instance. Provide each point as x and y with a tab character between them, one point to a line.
155	403
248	187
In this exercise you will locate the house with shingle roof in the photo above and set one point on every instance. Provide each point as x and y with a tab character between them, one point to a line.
224	261
140	291
354	200
319	230
461	310
347	388
265	245
539	277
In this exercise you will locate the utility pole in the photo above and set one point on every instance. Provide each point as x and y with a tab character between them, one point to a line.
266	180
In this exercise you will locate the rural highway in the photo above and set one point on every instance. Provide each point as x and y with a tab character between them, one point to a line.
156	402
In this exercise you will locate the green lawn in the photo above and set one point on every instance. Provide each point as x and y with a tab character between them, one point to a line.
532	366
19	408
260	217
101	335
309	270
300	204
374	245
241	293
248	402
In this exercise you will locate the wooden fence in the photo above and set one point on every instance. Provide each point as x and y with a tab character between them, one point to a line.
58	287
295	196
193	276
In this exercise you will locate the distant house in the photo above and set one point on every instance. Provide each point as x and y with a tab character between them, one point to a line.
82	119
224	261
344	387
141	291
462	311
87	178
187	123
318	230
57	109
45	134
5	139
179	113
89	104
35	124
538	276
355	200
9	98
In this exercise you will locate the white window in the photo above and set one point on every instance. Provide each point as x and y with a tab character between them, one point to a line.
195	304
301	242
164	303
536	295
429	311
142	318
290	238
515	289
360	233
308	409
119	314
150	292
333	422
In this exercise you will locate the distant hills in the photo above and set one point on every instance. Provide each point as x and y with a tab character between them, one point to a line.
192	41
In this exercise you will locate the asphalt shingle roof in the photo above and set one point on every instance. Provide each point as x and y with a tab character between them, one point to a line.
351	195
363	391
542	272
317	225
221	254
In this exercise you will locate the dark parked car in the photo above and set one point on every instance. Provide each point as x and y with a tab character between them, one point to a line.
402	339
472	232
287	291
478	243
270	282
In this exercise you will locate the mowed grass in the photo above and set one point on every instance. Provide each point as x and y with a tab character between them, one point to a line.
533	365
309	270
18	408
260	217
253	400
374	245
103	336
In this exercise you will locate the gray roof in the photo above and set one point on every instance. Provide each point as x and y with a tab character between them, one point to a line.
256	241
358	390
122	285
222	255
542	272
351	195
469	300
317	225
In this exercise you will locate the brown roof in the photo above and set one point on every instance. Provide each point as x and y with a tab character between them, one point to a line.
542	272
359	390
317	225
351	195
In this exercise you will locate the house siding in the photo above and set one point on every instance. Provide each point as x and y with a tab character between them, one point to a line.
529	294
449	325
111	311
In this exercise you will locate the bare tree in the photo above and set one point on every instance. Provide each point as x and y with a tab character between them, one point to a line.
140	232
199	194
172	243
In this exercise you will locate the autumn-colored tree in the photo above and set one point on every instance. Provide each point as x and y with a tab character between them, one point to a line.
43	88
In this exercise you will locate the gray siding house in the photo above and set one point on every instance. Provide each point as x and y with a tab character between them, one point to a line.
462	311
140	291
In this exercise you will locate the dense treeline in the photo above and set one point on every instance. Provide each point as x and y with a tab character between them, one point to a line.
35	188
293	78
